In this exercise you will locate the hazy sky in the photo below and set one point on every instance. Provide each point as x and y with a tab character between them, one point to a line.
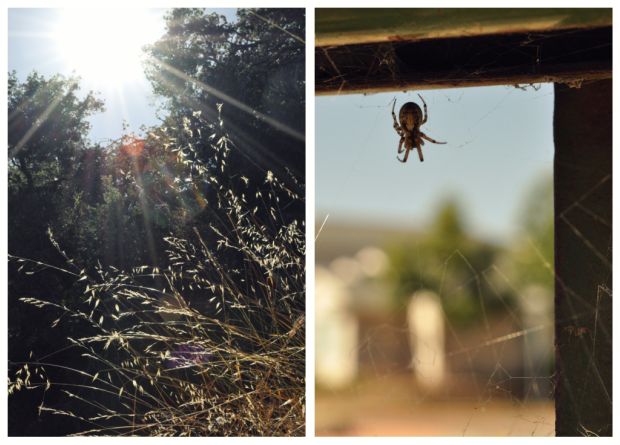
32	46
500	141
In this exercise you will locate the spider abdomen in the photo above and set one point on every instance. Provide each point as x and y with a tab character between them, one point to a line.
410	116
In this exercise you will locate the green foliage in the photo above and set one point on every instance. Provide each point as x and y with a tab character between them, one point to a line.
449	263
474	279
254	66
448	225
45	113
48	127
533	254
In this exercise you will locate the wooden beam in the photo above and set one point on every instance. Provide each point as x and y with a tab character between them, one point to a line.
567	56
348	26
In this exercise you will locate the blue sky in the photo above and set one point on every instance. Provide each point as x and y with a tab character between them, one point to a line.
500	141
32	46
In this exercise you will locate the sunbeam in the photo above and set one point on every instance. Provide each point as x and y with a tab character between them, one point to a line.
35	126
254	151
231	100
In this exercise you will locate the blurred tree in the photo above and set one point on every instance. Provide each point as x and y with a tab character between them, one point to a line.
450	263
533	253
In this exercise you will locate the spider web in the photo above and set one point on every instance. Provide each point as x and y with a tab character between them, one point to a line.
500	377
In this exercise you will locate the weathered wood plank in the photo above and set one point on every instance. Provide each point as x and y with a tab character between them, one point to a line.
346	26
568	56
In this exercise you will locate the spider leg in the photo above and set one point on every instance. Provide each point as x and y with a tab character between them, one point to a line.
425	110
406	156
400	145
419	148
431	139
397	127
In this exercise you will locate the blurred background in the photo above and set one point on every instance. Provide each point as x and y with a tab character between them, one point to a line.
434	280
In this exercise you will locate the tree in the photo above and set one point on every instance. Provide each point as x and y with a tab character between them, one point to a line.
47	136
47	127
533	253
449	262
250	74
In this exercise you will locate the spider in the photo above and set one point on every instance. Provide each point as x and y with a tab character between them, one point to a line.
411	119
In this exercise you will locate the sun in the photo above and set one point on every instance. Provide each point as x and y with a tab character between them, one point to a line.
105	46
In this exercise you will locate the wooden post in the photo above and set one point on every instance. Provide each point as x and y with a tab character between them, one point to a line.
583	257
336	333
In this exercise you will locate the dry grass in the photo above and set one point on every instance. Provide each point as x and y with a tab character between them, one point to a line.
205	346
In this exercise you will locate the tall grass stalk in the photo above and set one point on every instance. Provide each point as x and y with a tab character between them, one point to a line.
204	346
